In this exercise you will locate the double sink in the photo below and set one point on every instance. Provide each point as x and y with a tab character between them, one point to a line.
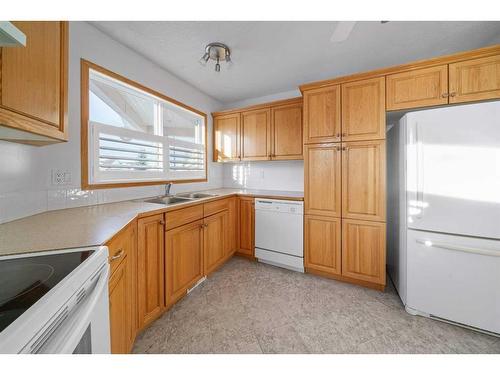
180	198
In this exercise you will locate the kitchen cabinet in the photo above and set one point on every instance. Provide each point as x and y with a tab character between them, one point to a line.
417	88
227	137
475	79
363	250
183	259
286	131
233	218
322	245
322	175
34	85
363	180
215	240
363	110
256	134
122	289
150	268
322	120
247	226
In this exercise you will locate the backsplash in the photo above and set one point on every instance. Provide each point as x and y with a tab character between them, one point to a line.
267	175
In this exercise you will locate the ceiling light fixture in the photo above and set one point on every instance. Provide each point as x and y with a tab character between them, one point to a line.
217	52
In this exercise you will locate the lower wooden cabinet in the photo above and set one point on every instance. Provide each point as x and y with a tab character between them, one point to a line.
215	240
150	269
122	289
183	260
363	250
120	309
247	226
322	244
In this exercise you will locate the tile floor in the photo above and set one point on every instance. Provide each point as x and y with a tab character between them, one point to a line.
250	307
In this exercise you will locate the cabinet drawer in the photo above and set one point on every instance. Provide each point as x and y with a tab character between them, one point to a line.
184	216
120	246
215	206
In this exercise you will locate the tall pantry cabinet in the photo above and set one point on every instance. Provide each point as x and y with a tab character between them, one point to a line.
344	166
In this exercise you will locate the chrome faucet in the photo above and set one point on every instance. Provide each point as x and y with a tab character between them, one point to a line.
167	188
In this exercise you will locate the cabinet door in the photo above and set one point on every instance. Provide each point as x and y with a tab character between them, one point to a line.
322	195
322	115
363	180
256	134
287	132
247	226
184	259
227	137
34	80
120	309
150	272
477	79
233	224
215	238
363	250
363	110
322	244
418	88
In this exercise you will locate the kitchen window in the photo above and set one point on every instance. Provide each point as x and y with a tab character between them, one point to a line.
135	136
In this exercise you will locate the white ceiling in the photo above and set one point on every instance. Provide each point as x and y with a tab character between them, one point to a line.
271	57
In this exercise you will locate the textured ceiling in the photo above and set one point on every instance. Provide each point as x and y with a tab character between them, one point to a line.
270	57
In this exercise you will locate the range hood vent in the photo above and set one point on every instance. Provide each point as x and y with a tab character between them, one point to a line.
11	36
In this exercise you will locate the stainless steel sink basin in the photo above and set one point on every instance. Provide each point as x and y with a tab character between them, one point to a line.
168	200
195	195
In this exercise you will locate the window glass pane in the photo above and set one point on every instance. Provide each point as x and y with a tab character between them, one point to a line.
116	104
179	124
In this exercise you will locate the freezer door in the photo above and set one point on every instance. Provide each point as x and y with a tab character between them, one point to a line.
453	170
455	278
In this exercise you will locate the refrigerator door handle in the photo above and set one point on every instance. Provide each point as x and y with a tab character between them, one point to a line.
463	249
420	173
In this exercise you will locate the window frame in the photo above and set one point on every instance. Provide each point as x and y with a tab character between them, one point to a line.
85	147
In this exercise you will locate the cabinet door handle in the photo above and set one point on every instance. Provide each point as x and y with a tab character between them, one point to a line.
117	255
344	134
445	95
337	135
344	148
453	94
162	222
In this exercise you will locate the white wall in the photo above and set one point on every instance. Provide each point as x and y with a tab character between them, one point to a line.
263	99
267	175
25	171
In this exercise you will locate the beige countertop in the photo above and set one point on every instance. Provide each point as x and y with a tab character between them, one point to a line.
95	225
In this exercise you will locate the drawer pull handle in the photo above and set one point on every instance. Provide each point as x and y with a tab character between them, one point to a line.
445	95
117	255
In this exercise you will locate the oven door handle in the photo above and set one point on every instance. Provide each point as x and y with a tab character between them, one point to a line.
72	340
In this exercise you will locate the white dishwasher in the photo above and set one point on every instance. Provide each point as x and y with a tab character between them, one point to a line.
279	228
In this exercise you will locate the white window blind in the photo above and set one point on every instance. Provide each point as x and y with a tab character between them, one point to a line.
134	136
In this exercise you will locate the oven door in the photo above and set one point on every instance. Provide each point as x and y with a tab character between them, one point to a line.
83	329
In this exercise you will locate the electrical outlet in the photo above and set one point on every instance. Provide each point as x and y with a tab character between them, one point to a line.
60	177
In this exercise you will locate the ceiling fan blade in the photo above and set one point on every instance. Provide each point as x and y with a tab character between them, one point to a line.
342	31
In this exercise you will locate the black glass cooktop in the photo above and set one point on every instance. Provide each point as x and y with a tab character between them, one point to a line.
23	281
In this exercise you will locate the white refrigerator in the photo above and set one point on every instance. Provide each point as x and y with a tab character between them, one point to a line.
444	213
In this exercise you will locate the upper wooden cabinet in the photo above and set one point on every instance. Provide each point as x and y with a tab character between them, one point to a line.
256	134
322	115
417	88
271	131
363	251
286	131
227	137
363	110
184	259
477	79
34	84
363	180
322	195
150	271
